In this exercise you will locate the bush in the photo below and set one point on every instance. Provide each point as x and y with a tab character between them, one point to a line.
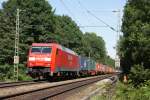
22	73
7	73
127	92
139	75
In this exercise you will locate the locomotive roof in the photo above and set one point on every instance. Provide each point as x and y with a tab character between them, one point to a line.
57	45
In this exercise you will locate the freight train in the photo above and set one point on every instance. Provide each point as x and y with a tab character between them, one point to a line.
51	59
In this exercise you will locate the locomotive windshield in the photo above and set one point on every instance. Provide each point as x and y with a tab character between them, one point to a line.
41	50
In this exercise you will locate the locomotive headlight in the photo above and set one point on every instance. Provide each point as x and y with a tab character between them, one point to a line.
47	59
31	58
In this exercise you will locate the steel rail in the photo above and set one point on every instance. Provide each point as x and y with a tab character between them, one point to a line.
55	90
20	83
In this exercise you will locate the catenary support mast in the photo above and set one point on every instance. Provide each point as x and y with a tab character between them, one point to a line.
16	54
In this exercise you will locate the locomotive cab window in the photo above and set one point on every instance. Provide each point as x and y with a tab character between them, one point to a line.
46	50
36	50
41	50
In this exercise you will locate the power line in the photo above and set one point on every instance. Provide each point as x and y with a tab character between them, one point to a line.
90	26
89	12
102	21
84	12
105	10
69	11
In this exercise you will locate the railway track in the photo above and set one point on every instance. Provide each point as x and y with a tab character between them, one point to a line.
54	90
20	83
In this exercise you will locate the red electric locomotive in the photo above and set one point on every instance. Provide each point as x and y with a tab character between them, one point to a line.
49	59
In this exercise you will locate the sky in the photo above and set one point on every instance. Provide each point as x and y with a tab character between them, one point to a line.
93	13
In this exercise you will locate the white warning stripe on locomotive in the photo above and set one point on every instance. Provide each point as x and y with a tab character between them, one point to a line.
39	59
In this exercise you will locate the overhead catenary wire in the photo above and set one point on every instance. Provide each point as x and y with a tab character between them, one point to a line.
47	26
89	12
84	13
65	6
83	26
102	21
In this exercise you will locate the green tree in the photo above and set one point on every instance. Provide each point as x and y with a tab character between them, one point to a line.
109	61
68	33
134	46
94	46
139	75
36	24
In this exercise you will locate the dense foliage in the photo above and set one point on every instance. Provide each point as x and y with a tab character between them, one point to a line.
126	92
134	46
110	61
36	21
39	23
7	74
138	75
129	92
93	46
68	33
